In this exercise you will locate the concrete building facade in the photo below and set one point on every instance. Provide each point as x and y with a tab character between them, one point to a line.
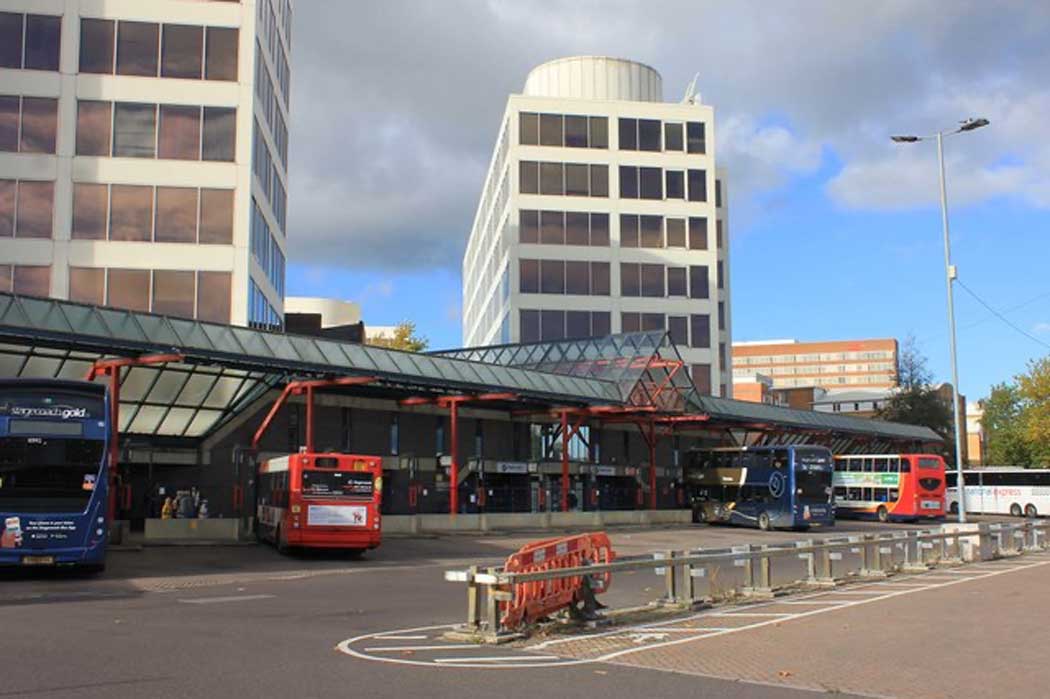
835	365
144	154
603	212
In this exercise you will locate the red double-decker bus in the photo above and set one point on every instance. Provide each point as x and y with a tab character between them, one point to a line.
889	486
328	501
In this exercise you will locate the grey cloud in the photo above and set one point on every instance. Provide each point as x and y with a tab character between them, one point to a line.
396	104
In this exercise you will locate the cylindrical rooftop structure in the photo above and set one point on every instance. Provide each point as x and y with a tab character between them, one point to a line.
596	78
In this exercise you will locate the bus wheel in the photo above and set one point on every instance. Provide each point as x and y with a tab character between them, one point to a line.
1015	510
883	514
764	522
1030	511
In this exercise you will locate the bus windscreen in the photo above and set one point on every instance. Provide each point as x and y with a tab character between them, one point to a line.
38	474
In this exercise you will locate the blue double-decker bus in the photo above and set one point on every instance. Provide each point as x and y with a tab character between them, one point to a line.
54	439
764	487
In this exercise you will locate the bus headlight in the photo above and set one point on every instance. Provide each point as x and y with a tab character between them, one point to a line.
296	509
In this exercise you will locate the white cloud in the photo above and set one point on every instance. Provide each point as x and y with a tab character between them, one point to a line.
1041	328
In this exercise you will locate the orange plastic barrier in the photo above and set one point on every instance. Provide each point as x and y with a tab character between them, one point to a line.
537	599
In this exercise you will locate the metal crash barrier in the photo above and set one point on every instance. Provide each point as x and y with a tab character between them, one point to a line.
551	575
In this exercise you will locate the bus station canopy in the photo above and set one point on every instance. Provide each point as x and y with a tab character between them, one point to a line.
224	369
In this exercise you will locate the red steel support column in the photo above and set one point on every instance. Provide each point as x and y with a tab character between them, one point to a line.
565	461
652	466
453	493
114	441
309	419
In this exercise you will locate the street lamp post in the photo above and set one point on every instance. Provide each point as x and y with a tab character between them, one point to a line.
949	276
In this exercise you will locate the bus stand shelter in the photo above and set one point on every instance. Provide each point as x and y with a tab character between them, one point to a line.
191	392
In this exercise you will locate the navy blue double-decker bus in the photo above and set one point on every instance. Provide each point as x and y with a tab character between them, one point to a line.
766	487
54	439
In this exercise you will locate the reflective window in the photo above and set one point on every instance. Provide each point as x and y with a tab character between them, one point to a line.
721	275
718	193
649	134
96	45
629	230
90	207
552	325
552	227
695	141
577	324
599	180
675	232
577	180
697	233
87	285
137	48
528	129
651	232
10	40
552	277
94	127
576	131
128	288
578	278
652	321
220	134
529	177
182	51
530	325
721	315
628	132
630	279
7	208
134	130
676	281
179	132
702	378
529	276
552	178
216	220
675	184
131	213
600	230
678	328
601	323
39	124
528	226
718	231
673	137
213	296
653	281
6	278
697	185
32	280
650	183
630	322
599	278
628	182
35	209
9	114
700	330
176	215
576	228
698	282
222	54
173	293
43	40
551	130
599	132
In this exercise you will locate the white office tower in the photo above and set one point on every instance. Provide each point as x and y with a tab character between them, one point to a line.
602	213
144	154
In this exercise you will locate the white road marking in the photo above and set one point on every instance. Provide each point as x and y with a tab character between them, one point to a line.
497	659
751	614
388	637
662	626
815	602
449	646
221	600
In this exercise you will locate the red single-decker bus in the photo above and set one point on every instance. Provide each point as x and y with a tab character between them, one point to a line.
328	501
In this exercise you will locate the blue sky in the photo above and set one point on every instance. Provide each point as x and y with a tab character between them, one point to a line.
835	231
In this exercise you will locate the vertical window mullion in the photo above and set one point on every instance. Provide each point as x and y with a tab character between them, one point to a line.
18	129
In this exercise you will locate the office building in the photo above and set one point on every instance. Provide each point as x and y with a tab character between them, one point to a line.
602	213
835	365
144	153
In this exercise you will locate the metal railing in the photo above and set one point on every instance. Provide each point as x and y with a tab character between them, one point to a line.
751	571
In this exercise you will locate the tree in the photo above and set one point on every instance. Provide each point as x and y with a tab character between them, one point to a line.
917	401
1034	390
404	338
1004	427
